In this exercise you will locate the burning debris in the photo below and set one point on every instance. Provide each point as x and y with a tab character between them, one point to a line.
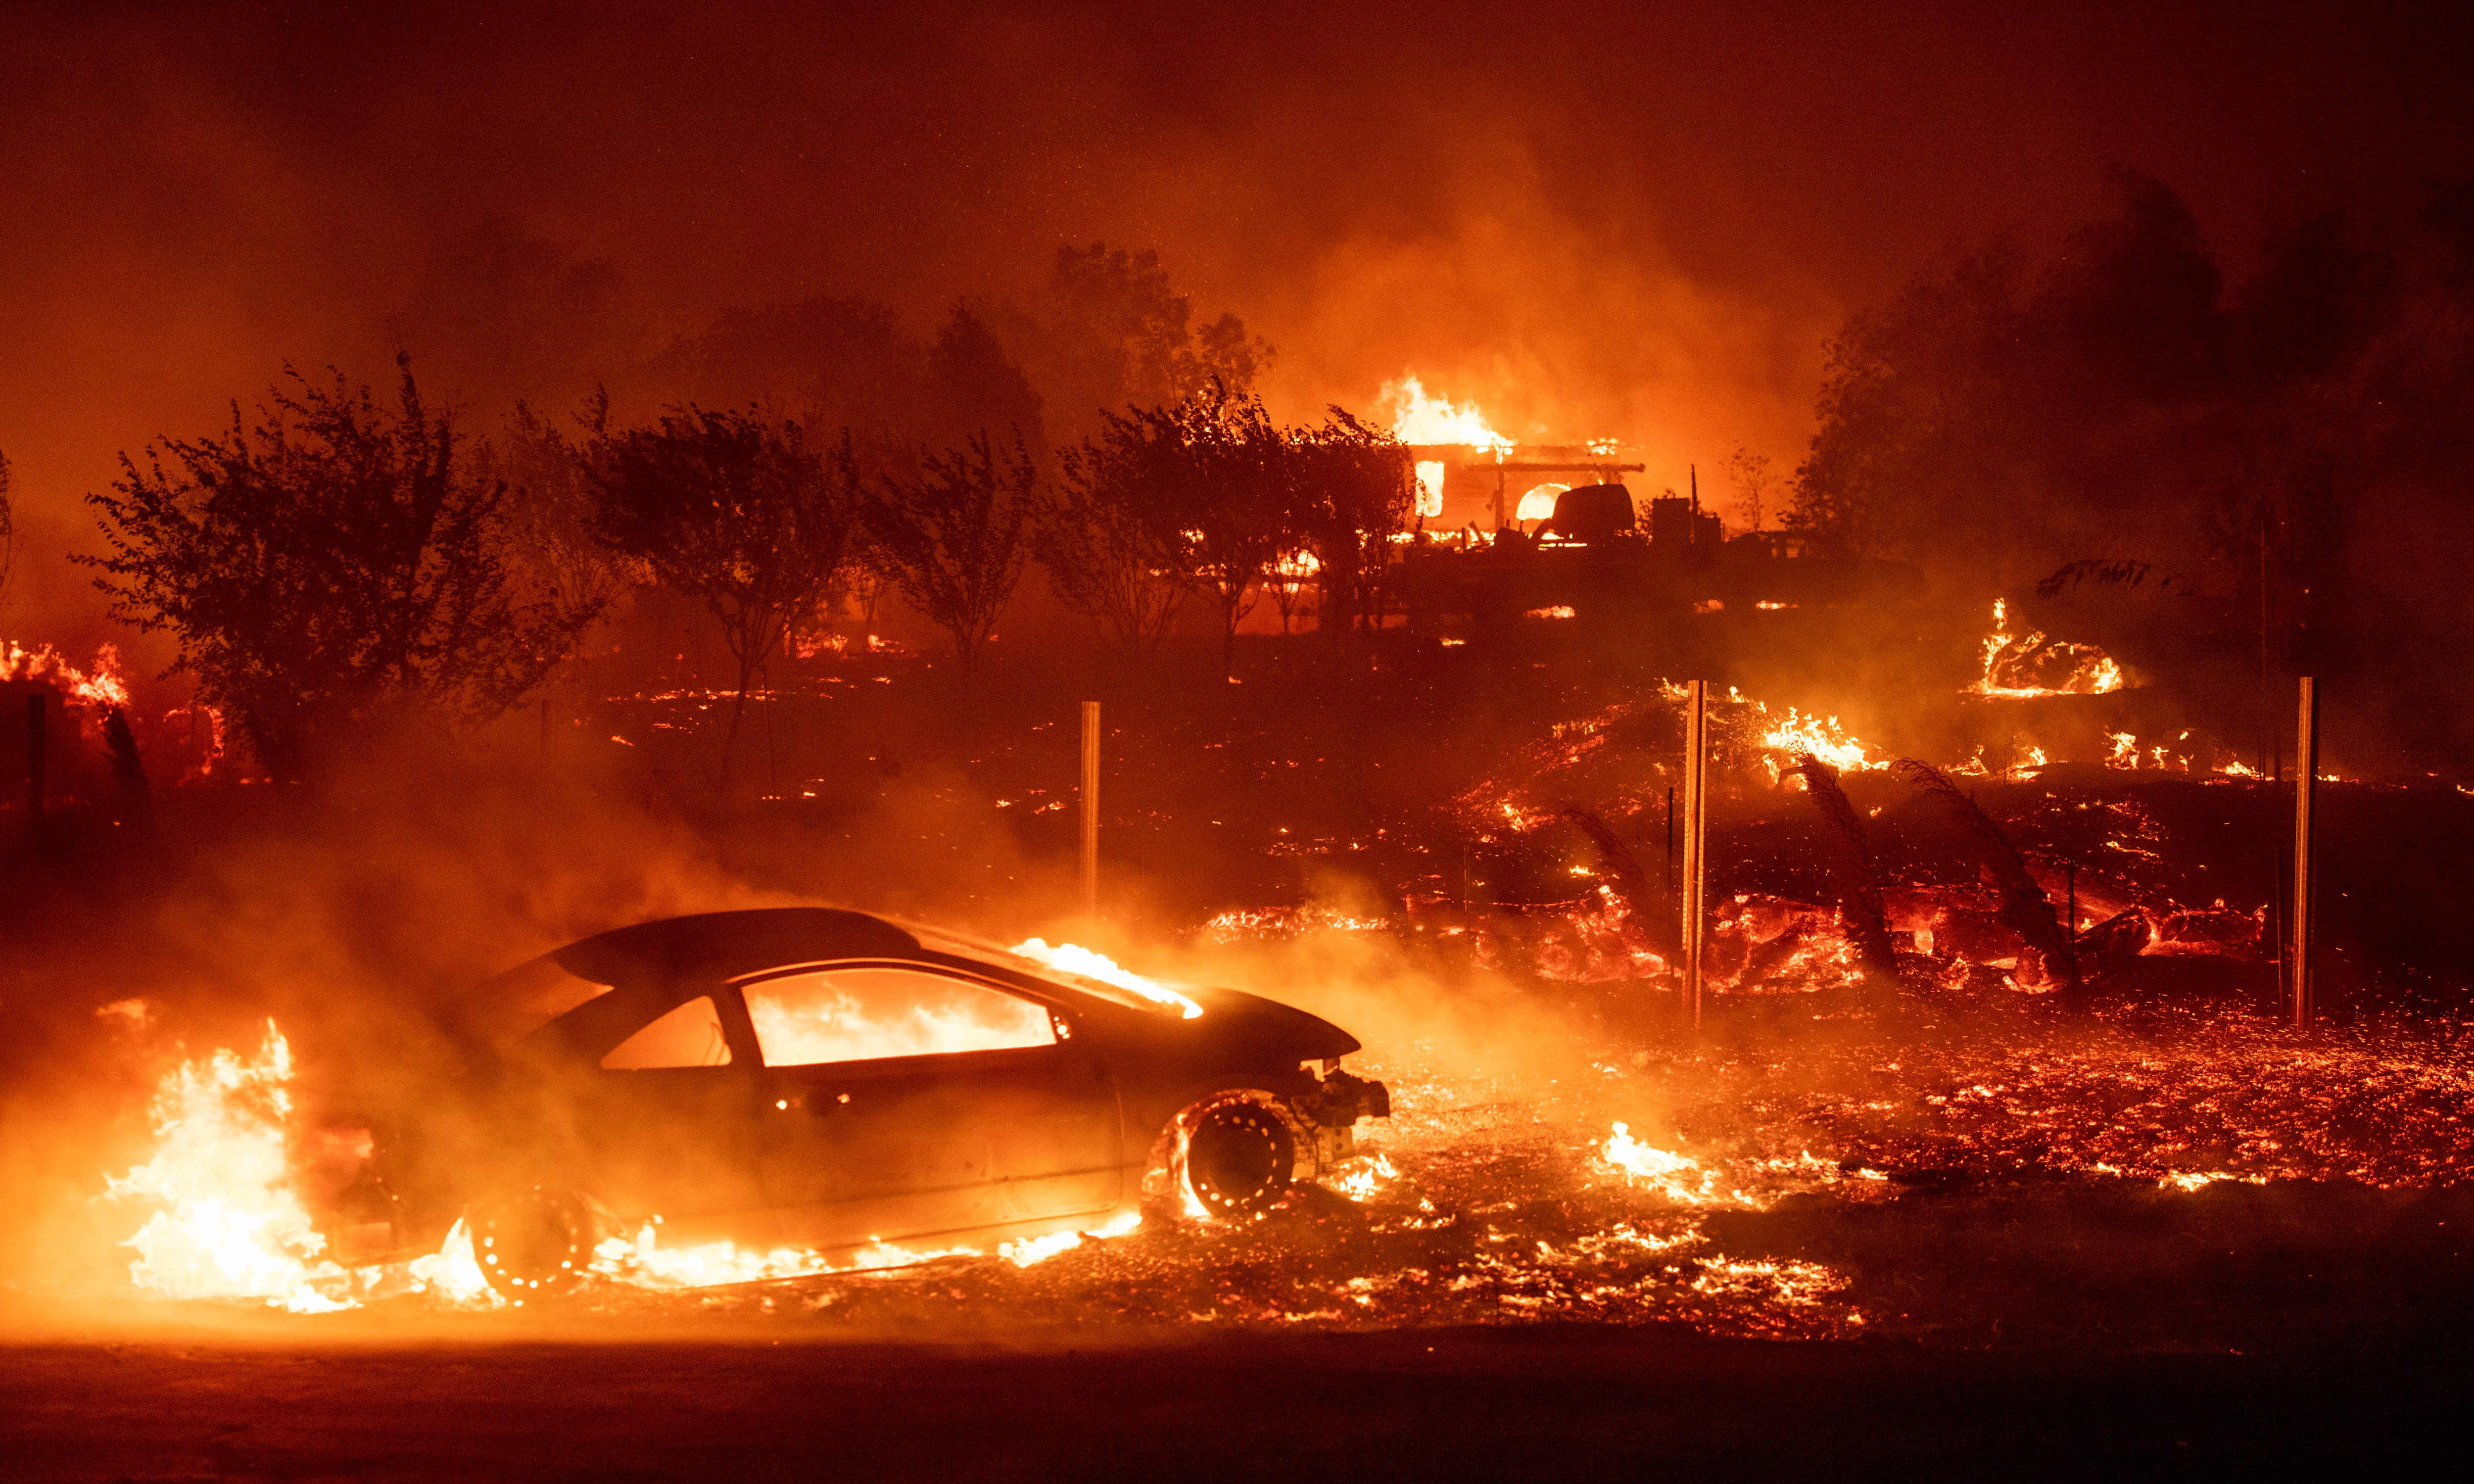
2025	666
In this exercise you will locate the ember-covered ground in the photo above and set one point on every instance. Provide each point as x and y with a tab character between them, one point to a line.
1907	1228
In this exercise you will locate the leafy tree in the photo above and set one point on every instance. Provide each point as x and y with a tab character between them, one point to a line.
1111	536
1237	504
2015	410
954	534
733	510
1110	330
333	568
552	505
826	362
1356	486
973	385
1211	495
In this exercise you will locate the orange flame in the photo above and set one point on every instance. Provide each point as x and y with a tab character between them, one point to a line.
1075	958
2007	659
103	686
1418	417
231	1225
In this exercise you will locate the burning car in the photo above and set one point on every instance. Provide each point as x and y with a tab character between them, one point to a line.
828	1079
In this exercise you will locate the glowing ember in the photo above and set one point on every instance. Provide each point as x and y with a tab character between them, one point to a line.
1370	1176
1073	958
233	1226
1418	417
2023	667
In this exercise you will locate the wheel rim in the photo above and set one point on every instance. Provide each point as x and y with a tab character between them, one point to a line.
1238	1158
534	1245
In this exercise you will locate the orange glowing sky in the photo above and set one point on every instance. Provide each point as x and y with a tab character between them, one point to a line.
1637	221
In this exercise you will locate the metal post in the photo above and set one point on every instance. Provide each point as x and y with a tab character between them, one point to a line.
1091	807
1695	856
1669	881
2306	784
35	759
1468	907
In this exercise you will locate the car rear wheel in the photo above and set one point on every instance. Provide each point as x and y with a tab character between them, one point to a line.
534	1244
1239	1157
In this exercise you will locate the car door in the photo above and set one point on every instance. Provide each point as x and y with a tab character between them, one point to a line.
666	1121
901	1101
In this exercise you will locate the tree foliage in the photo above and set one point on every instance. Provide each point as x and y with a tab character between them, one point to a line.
955	533
1357	486
552	505
1112	535
333	567
1210	495
2019	409
1111	330
732	509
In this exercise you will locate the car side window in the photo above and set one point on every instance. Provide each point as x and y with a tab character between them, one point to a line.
861	1014
690	1036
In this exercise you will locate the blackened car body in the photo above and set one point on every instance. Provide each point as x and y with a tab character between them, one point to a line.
825	1078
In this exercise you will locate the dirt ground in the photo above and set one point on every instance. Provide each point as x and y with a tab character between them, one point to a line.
1539	1403
1964	1234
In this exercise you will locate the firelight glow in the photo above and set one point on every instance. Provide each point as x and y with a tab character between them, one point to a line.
1421	419
1073	958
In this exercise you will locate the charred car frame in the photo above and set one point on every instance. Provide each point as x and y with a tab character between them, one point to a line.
826	1079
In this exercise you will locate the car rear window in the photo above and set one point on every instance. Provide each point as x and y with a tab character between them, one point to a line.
865	1014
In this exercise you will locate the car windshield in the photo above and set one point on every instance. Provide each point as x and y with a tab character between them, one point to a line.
1087	971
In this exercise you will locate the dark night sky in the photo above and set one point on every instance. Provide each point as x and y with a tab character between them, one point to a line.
1633	220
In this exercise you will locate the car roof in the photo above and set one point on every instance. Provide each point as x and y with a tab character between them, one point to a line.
728	944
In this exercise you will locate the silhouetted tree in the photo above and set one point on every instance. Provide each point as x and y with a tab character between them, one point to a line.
1355	486
733	510
1750	473
2018	410
1239	505
845	362
496	312
333	568
1110	330
1112	535
973	385
553	502
954	534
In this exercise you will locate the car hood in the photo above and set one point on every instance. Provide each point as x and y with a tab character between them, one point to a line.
1268	1026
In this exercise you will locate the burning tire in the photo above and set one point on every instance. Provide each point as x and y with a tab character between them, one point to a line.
1236	1156
534	1244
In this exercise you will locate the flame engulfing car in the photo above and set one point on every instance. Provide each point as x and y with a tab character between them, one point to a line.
825	1078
